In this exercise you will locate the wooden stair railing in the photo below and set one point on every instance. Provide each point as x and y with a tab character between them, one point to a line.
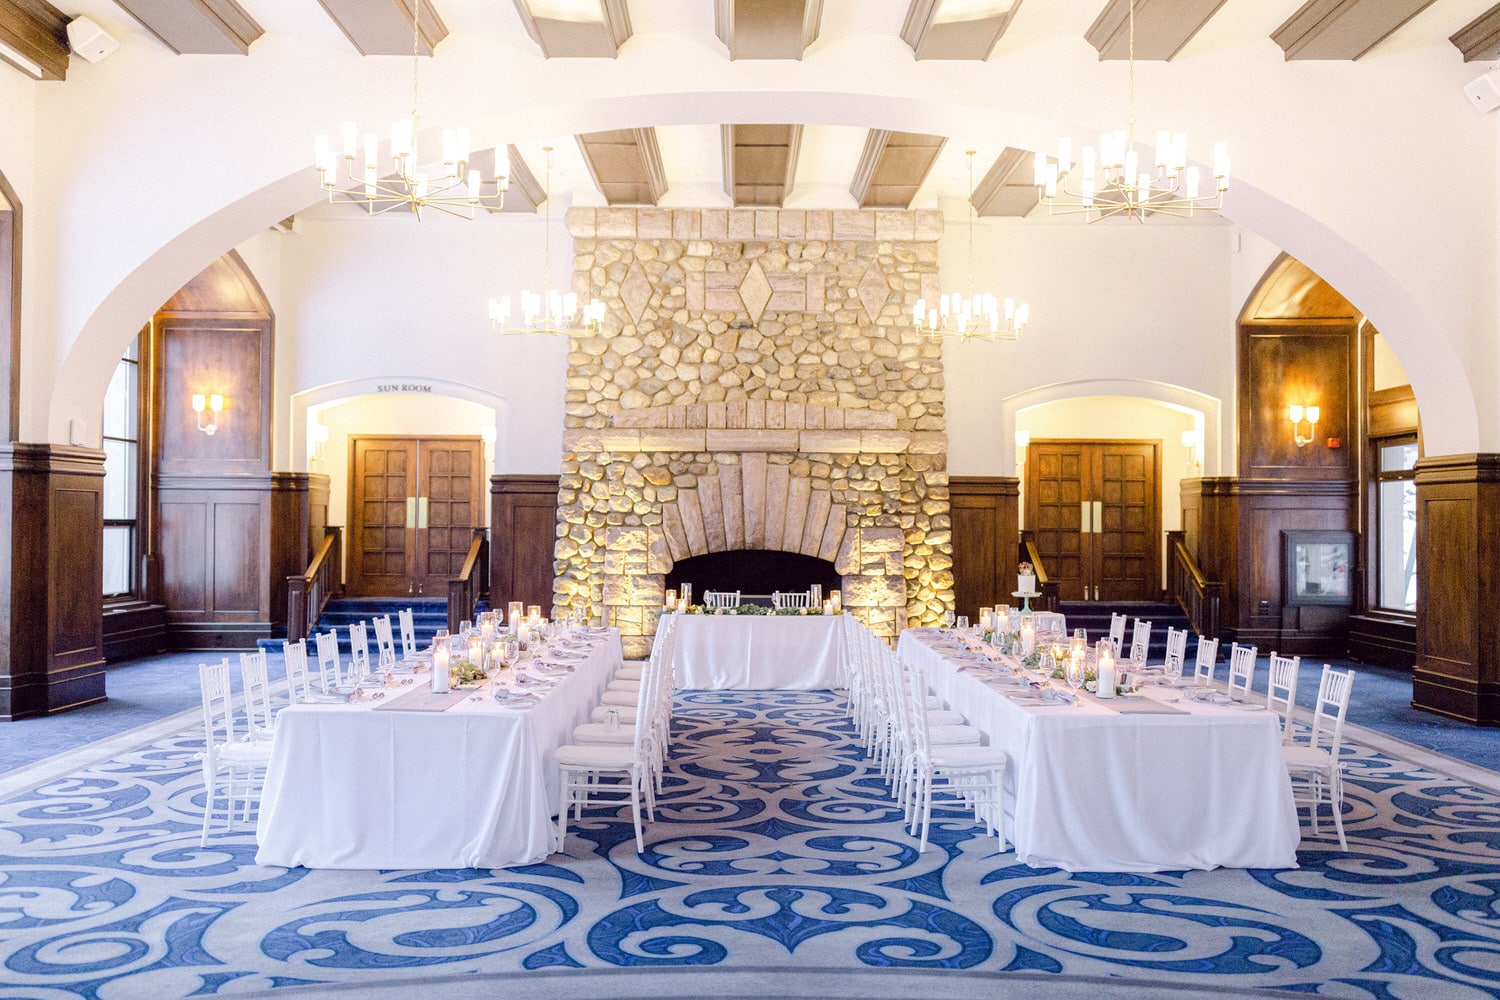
309	593
472	582
1200	598
1051	599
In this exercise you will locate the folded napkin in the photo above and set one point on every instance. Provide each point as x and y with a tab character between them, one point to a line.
528	680
327	698
1046	696
507	699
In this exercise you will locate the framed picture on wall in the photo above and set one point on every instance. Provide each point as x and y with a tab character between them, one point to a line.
1319	567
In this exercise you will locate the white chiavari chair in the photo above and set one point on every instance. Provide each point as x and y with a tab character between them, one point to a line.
714	599
1176	653
385	643
1140	641
1241	670
330	670
260	721
298	684
233	768
359	652
1316	770
1117	632
797	599
407	623
1281	690
974	774
1208	656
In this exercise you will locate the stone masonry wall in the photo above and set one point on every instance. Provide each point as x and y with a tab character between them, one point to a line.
757	383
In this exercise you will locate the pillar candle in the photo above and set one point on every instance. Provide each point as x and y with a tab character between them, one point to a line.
440	666
516	611
1106	675
1028	639
670	600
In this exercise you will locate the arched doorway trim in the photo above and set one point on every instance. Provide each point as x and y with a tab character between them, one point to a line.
304	402
10	306
1188	401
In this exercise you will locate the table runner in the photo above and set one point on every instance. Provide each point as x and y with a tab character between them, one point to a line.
420	698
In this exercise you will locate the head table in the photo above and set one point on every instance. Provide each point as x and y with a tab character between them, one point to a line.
758	652
1109	786
472	786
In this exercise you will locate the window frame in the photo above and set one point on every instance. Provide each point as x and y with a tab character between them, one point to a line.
1378	478
138	355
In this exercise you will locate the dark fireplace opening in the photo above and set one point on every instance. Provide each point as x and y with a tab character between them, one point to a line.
755	573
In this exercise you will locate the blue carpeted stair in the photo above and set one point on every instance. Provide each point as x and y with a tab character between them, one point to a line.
428	615
1094	616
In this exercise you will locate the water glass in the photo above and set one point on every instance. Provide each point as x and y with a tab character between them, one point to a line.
1074	673
963	622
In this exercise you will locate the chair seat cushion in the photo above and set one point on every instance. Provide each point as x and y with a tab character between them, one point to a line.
597	756
258	752
1305	758
618	685
967	758
629	673
945	718
623	698
603	732
952	735
601	714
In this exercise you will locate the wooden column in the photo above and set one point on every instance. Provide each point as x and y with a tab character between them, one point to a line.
523	530
986	536
1458	587
52	557
299	514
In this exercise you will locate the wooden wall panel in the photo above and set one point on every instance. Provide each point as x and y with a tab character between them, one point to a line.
184	528
51	635
523	532
233	360
216	560
1458	587
239	560
1304	363
986	538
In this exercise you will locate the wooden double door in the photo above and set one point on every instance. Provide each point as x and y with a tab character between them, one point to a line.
413	506
1094	511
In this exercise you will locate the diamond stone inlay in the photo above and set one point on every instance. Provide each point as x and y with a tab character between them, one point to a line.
755	291
873	291
635	292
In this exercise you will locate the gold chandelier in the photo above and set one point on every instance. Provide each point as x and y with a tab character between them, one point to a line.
1113	182
975	317
457	190
550	311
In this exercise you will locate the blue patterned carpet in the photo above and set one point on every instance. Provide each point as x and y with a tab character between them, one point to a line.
775	846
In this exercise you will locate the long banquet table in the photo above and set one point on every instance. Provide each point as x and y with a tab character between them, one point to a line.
472	786
758	652
1090	788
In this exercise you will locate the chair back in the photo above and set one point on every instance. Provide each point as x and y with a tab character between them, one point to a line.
1241	670
1208	656
1140	640
1331	707
385	644
330	670
257	691
721	598
295	656
359	652
1117	632
1281	690
1176	651
796	599
408	633
218	716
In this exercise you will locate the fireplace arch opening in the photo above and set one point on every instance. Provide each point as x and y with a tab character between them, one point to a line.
757	572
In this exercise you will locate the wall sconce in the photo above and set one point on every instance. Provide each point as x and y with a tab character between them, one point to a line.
1299	414
1192	440
214	404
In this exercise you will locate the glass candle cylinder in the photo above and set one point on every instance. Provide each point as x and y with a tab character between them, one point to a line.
516	610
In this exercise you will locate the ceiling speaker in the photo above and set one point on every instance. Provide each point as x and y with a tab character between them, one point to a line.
88	40
1484	93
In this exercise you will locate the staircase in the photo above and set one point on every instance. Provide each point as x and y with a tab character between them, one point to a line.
428	615
1094	616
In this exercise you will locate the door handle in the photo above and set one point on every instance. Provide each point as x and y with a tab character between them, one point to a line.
1098	516
1083	507
421	512
411	512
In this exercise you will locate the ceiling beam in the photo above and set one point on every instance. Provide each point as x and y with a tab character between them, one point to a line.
1162	27
1342	29
1479	40
934	34
197	27
625	164
34	38
1007	188
760	162
767	29
383	27
893	166
570	38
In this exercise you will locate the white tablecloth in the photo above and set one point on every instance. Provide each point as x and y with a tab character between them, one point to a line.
1090	789
758	652
474	786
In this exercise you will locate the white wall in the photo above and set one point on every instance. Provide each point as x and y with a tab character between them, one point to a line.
1129	302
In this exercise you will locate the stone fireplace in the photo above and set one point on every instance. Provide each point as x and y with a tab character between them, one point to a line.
757	384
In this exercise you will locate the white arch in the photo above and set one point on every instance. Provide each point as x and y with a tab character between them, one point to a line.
336	392
1190	401
1439	380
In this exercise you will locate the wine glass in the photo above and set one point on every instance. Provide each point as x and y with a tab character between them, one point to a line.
1073	673
948	619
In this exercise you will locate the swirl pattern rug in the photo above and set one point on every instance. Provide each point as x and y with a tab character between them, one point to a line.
775	844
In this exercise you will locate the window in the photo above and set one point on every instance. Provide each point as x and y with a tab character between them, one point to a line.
1396	524
122	464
